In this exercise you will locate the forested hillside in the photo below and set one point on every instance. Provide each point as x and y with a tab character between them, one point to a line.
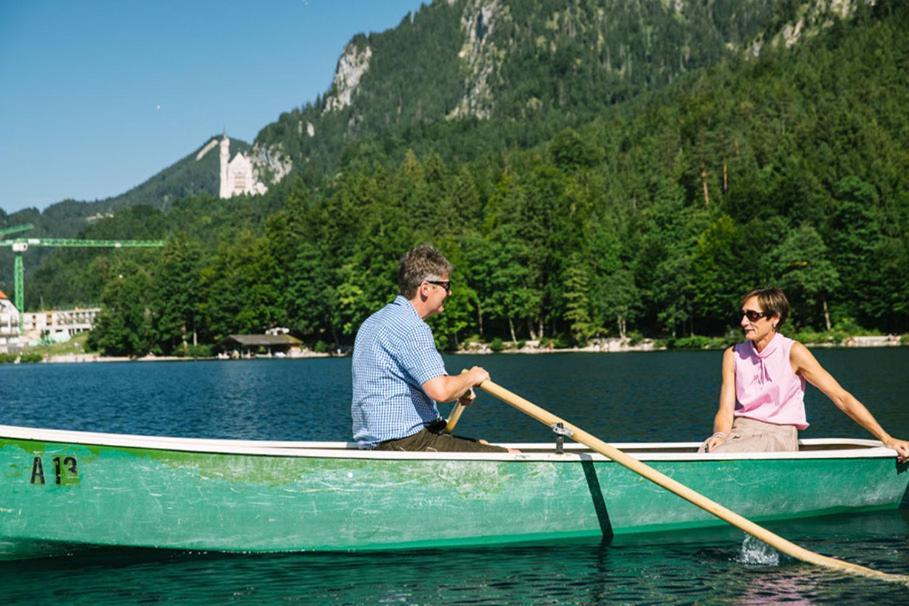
464	77
646	215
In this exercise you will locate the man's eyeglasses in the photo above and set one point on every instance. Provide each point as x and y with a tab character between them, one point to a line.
753	316
446	284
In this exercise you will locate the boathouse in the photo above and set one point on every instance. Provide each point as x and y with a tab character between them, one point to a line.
270	345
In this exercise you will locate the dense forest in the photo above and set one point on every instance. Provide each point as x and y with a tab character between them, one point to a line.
650	217
463	78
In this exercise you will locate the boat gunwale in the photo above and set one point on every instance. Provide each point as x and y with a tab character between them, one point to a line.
822	448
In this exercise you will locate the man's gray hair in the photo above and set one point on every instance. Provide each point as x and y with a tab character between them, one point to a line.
419	264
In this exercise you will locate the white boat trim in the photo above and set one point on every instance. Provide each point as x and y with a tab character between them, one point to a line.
818	448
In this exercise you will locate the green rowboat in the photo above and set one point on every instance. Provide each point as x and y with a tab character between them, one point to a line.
61	491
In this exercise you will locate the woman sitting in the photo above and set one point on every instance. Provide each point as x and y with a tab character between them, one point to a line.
762	397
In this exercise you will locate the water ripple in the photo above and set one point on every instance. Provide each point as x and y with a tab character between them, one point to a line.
620	397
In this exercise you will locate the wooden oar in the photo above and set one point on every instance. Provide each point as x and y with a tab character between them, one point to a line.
727	515
455	415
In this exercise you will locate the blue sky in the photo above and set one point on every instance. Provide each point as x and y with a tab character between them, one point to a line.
98	95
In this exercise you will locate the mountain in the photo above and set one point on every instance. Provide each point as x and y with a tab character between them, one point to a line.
454	67
578	195
436	82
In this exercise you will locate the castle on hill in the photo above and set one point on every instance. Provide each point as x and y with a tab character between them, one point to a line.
238	175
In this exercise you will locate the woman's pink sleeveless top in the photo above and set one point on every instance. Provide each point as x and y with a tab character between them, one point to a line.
766	389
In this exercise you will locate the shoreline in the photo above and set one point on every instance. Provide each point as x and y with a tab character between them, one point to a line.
645	345
604	346
89	358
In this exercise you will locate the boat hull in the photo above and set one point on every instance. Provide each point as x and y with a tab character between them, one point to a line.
202	495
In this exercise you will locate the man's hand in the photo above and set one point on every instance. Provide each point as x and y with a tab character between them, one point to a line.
467	397
477	375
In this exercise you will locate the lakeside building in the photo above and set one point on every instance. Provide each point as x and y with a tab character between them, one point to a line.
57	325
10	342
268	345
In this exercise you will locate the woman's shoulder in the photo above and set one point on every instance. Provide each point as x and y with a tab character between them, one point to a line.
789	343
742	348
737	353
797	348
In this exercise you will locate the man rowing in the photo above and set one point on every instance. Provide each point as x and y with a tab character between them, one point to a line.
399	375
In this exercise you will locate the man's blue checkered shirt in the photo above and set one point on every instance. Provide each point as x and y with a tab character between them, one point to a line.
394	354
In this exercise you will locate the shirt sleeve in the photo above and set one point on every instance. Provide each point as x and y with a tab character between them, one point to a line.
421	359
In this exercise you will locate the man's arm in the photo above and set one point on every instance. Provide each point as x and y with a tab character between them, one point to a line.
446	388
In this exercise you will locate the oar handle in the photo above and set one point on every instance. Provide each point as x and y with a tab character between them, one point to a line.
456	412
579	435
454	417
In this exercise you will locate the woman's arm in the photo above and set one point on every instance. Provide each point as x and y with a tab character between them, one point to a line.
805	364
722	422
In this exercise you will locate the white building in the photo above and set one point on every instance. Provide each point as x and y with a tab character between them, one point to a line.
9	325
238	176
57	325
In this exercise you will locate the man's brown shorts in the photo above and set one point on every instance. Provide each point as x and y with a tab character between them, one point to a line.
425	440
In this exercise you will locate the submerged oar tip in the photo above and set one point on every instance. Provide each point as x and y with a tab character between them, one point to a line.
683	491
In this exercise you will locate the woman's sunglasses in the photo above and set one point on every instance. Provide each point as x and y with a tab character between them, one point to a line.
753	316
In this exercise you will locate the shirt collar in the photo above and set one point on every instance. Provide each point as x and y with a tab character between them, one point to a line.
404	302
771	347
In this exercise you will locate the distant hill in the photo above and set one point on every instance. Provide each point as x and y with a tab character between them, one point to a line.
463	77
184	178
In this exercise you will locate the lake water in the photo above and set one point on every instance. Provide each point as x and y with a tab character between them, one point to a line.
664	396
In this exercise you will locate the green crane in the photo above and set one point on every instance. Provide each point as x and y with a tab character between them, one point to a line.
5	231
20	245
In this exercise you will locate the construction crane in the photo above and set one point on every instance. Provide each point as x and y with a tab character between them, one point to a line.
5	231
21	245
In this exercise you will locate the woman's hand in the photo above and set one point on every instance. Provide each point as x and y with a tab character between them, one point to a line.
715	440
901	447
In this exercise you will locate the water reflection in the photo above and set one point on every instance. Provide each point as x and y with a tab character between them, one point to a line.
618	397
703	570
633	397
